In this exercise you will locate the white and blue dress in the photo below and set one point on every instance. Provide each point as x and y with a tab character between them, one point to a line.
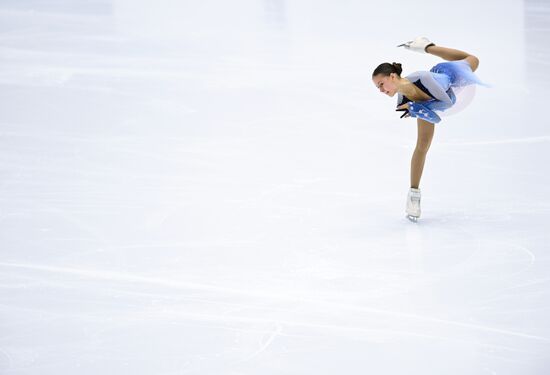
438	83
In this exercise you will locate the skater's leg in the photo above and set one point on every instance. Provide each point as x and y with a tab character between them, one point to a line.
450	54
423	141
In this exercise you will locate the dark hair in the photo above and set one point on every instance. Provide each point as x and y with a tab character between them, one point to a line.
386	69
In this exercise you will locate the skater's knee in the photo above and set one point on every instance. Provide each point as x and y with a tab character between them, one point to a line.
422	149
473	61
423	145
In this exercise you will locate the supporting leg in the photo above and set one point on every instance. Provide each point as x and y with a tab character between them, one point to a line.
424	139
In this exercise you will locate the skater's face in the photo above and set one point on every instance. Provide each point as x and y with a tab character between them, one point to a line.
386	84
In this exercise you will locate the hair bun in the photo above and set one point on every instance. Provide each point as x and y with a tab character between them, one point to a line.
397	67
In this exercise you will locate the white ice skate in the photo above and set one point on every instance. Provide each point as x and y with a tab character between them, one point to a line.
413	205
419	44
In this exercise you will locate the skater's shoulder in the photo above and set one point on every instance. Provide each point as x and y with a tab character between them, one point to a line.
421	78
419	74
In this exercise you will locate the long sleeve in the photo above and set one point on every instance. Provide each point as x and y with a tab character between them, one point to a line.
423	111
435	87
426	109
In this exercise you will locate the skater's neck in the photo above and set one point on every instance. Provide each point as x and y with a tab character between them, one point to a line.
405	87
410	90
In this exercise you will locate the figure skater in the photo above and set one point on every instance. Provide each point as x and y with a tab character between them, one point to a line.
421	94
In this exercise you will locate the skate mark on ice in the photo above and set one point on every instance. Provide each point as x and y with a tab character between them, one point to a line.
263	346
355	332
327	304
499	141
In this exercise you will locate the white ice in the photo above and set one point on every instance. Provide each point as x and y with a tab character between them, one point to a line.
217	187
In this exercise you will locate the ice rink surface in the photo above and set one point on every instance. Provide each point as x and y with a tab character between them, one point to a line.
218	188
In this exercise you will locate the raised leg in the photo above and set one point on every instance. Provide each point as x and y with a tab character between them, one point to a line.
451	54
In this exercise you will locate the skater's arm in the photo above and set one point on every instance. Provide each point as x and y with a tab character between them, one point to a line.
421	110
435	88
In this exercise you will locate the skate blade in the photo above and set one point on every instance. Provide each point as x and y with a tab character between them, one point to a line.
414	219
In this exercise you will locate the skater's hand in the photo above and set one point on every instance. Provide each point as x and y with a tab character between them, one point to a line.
405	108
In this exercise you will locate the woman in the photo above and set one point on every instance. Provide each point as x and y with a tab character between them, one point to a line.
421	94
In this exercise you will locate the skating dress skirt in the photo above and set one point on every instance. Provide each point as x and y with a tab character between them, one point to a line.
457	73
